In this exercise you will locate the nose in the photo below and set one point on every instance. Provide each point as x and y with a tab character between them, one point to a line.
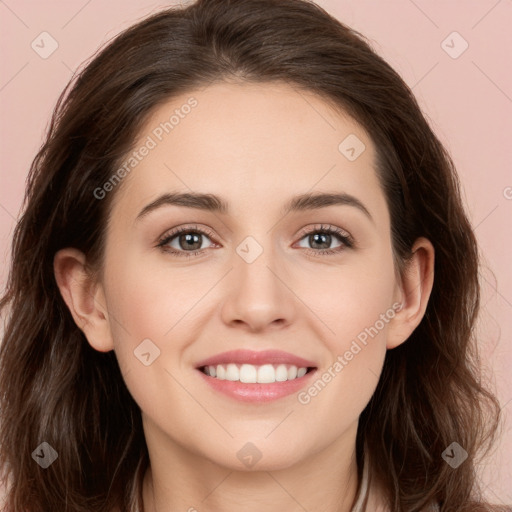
258	294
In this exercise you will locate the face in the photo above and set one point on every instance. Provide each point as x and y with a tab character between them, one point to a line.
285	285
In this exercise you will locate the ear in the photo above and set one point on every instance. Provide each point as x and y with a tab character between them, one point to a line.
84	298
413	292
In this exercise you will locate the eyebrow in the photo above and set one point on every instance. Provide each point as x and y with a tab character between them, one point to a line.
213	203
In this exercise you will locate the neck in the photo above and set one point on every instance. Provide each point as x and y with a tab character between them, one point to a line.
179	479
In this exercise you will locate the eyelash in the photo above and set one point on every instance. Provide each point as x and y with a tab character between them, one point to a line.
346	240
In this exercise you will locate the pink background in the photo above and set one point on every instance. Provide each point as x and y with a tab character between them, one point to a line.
468	100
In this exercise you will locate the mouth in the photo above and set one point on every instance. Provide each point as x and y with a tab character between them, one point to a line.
256	376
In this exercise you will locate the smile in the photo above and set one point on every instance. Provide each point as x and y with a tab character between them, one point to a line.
256	376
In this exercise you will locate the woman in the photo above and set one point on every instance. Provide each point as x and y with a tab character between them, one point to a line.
243	277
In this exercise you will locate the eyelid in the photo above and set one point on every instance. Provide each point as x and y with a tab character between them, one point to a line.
187	228
328	228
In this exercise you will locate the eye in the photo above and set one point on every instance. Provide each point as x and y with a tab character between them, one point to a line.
188	241
184	241
321	238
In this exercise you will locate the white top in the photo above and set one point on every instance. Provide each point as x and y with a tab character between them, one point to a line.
364	490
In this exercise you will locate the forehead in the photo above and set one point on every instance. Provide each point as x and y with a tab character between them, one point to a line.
251	142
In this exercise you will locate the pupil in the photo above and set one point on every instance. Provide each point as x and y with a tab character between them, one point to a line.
190	239
317	235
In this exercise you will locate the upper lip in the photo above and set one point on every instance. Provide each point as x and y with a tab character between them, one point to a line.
256	358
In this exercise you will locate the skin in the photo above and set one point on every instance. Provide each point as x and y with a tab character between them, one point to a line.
255	145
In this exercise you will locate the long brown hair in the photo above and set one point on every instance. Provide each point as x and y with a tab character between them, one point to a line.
55	388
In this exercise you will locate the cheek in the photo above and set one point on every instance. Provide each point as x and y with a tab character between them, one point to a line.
358	316
148	302
138	311
354	305
147	310
353	298
153	310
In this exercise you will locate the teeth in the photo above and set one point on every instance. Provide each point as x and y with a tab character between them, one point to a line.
266	374
250	374
232	372
221	371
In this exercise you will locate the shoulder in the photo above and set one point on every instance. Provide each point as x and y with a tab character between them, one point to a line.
377	502
486	507
474	507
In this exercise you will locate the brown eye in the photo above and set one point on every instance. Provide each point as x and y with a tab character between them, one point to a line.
186	241
320	240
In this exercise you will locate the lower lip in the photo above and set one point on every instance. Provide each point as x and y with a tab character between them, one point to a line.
257	392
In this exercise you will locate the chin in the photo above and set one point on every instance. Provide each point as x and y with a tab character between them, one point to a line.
257	456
